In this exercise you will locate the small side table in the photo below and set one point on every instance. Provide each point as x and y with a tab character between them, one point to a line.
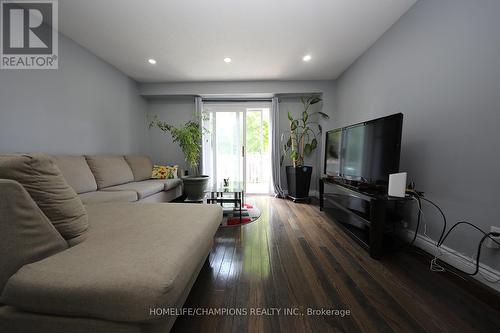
233	194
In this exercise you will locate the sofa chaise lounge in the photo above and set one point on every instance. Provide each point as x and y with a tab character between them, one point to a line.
112	263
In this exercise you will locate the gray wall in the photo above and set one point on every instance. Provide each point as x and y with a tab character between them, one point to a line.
174	102
179	109
176	111
86	106
440	66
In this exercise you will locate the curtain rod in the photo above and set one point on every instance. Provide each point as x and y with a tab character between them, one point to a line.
229	100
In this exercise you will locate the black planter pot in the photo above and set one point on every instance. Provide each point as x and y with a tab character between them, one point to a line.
299	181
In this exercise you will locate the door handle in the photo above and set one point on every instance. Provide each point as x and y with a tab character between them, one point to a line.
242	151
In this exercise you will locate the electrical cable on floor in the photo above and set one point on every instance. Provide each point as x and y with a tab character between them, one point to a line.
459	223
434	264
442	214
478	253
486	277
420	197
417	197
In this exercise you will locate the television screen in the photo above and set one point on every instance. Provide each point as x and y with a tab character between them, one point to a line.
366	152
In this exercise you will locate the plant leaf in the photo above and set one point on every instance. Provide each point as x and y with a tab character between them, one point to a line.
307	149
290	116
315	100
281	159
320	128
324	115
294	155
294	124
314	144
305	115
289	142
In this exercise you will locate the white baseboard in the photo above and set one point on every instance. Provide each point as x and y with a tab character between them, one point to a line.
456	259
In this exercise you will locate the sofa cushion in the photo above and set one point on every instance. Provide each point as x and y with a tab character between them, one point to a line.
143	189
109	170
136	256
168	183
77	172
96	197
141	166
45	183
26	233
13	320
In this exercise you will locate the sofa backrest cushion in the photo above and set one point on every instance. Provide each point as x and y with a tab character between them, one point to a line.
109	170
45	183
26	233
141	166
77	172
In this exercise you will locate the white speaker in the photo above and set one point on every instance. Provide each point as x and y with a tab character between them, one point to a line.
397	184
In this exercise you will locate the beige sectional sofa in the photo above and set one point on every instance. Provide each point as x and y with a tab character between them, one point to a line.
123	258
116	178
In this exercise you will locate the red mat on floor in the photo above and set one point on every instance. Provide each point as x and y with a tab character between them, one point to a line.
231	216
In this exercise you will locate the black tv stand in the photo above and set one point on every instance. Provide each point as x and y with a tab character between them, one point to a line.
366	213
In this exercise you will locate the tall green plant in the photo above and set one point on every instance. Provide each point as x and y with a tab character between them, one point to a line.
301	139
189	138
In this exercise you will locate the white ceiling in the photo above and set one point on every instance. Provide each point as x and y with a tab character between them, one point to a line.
266	39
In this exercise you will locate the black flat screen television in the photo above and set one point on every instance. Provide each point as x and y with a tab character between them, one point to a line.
366	152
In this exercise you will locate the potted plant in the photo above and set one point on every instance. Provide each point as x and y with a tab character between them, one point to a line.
189	137
301	141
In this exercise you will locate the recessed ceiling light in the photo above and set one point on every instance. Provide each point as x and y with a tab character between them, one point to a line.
152	61
307	57
228	60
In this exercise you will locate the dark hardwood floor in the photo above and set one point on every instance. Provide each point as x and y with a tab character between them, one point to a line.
295	257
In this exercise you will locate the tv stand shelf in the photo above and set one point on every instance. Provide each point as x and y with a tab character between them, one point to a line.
368	216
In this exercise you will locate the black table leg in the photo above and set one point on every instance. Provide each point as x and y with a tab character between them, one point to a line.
377	227
321	194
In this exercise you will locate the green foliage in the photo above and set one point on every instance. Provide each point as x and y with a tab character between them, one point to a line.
257	140
301	139
188	136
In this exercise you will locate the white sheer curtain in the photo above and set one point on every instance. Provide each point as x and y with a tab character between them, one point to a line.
276	148
207	144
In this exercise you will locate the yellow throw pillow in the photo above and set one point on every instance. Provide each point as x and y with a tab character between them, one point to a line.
164	172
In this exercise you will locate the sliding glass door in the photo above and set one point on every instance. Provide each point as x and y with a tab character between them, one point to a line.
229	142
258	154
236	145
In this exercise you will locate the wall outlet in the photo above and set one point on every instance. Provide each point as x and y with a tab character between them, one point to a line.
491	244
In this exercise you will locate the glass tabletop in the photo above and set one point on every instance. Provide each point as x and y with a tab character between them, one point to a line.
230	187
